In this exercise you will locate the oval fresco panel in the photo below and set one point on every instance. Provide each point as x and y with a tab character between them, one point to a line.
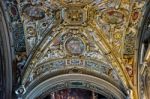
113	17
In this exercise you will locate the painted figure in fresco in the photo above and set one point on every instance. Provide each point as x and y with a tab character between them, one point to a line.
75	46
74	93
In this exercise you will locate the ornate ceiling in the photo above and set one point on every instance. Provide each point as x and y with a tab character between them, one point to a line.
96	35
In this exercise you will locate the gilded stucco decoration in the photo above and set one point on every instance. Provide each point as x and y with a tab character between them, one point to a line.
98	35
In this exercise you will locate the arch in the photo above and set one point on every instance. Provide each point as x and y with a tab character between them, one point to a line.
60	79
143	35
81	20
6	56
143	41
146	85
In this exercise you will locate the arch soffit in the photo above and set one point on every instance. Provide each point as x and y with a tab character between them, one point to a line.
49	83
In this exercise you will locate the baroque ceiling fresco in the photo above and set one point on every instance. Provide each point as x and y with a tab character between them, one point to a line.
95	35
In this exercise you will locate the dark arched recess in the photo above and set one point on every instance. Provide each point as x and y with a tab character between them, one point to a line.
6	56
144	32
143	45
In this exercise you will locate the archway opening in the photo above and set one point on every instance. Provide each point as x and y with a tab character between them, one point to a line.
73	93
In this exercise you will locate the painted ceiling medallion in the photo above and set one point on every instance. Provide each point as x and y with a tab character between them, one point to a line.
75	46
35	13
113	17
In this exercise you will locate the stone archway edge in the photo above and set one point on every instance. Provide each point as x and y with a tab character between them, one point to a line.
47	84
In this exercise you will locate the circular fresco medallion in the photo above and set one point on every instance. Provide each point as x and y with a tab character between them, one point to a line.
75	46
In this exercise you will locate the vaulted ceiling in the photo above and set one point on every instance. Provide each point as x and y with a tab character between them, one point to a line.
96	35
